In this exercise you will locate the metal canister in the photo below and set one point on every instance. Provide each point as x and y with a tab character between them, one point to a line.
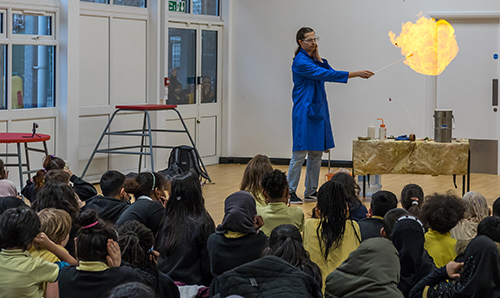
443	125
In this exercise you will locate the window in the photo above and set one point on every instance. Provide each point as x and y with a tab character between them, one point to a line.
134	3
198	7
206	7
32	45
31	24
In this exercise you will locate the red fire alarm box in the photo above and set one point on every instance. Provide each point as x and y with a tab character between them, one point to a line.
166	82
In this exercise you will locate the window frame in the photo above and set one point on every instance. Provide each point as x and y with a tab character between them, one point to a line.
9	39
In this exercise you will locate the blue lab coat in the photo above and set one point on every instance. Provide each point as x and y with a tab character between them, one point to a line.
311	126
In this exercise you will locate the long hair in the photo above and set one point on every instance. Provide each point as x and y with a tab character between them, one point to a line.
409	194
136	244
350	187
252	177
185	208
300	36
285	242
332	204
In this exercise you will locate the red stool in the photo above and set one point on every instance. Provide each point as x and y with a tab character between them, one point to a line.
145	132
18	138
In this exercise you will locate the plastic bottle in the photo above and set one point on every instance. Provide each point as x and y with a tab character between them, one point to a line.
371	131
382	131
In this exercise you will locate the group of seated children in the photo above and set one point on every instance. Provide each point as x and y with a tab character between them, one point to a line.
73	242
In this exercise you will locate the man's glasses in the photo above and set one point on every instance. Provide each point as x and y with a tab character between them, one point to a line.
309	40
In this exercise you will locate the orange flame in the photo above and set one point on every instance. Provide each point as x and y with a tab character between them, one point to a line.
432	44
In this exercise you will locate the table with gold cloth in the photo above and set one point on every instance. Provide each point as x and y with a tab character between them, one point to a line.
376	157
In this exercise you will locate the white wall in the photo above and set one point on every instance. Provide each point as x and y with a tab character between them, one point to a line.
354	36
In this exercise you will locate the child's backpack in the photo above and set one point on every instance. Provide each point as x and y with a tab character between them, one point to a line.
186	159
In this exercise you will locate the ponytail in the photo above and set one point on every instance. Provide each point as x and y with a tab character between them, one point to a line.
300	36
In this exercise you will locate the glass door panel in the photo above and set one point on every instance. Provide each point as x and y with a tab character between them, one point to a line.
182	66
208	66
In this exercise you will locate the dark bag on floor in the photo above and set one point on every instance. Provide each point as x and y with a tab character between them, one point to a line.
184	158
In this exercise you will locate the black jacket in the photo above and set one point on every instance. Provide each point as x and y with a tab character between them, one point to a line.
370	227
108	208
268	276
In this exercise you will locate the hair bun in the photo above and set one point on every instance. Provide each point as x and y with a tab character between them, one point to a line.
87	217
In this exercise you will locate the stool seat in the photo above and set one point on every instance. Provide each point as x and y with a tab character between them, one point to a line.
146	107
18	138
15	137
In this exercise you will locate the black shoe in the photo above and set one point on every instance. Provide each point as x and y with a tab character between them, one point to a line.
312	197
294	199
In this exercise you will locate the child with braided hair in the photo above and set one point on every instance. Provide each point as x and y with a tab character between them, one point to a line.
136	244
330	238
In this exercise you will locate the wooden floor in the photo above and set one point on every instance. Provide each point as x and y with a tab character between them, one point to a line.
227	177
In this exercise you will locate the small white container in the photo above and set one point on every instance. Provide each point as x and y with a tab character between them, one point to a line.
371	131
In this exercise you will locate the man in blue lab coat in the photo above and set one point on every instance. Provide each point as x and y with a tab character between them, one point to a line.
312	131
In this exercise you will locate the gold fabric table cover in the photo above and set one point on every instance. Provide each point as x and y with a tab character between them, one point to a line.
375	157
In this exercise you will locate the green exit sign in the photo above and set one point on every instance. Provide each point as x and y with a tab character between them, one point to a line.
179	6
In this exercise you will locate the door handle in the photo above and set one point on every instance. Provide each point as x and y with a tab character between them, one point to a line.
494	93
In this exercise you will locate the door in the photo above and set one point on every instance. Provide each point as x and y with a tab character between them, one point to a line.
466	86
194	76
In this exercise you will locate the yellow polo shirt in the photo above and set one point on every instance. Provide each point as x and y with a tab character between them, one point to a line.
21	275
336	256
441	247
275	214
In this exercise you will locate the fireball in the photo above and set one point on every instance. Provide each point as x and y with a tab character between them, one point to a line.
431	44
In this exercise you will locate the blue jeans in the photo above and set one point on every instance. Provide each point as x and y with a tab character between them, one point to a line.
312	170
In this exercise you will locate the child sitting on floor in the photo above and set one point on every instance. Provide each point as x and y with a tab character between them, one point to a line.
382	202
99	259
441	213
476	209
275	189
56	224
412	199
252	177
82	188
330	238
114	199
21	275
286	242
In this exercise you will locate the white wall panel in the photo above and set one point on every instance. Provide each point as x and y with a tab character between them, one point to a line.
90	130
128	61
208	136
94	61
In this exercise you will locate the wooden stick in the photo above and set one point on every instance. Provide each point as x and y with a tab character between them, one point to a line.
394	63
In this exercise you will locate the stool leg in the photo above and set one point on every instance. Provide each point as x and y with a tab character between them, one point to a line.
99	142
192	143
150	142
142	141
20	161
28	168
